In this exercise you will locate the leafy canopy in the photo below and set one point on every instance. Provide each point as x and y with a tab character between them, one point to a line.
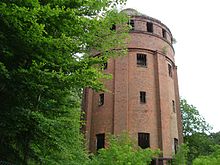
195	131
212	159
193	122
46	50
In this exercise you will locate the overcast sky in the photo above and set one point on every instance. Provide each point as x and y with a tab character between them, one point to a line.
195	24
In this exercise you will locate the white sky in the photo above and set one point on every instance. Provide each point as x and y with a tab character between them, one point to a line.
195	24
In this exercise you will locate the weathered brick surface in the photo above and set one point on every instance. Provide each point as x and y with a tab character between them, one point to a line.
122	110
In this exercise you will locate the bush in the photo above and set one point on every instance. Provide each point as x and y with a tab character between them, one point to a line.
122	150
180	158
213	159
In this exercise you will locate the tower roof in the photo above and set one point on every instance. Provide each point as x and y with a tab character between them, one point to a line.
133	13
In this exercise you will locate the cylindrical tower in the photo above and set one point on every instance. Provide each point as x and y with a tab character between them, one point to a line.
143	97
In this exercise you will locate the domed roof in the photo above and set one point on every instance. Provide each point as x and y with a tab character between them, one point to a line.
132	12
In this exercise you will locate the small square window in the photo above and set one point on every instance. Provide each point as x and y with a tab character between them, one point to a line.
142	97
150	27
170	70
131	23
101	99
164	33
144	140
142	60
174	106
100	141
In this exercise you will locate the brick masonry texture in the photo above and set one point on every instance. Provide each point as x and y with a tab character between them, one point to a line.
122	110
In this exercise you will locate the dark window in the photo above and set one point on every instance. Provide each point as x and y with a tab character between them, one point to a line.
101	99
170	71
174	106
150	27
144	140
164	33
105	65
175	145
100	141
113	28
131	23
142	60
153	162
143	97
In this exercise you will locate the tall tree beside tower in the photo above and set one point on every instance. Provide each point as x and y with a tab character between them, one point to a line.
45	61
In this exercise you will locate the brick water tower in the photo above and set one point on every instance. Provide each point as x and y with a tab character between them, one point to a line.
143	97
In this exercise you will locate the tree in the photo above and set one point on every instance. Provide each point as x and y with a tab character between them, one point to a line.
193	122
200	144
212	159
195	130
216	137
181	156
122	150
45	61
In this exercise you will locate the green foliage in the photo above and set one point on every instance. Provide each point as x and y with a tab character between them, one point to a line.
181	156
216	137
195	130
45	61
121	150
200	144
193	122
205	149
212	159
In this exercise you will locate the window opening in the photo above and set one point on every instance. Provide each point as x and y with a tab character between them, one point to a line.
105	65
131	23
101	99
142	60
100	141
113	28
164	33
170	70
175	145
150	27
173	104
142	97
144	140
